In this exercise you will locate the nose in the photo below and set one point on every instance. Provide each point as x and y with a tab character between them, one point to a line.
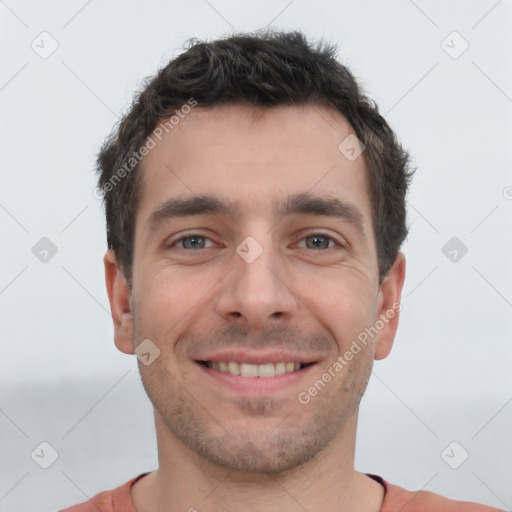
257	292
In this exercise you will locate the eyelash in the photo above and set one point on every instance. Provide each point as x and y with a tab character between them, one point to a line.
310	235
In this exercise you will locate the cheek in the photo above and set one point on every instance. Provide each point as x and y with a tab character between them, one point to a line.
169	300
344	304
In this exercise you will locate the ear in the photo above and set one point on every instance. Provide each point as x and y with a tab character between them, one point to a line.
389	306
119	297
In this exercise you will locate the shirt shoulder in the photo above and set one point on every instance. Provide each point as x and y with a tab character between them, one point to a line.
398	499
116	500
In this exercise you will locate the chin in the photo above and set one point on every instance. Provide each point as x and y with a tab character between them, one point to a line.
276	449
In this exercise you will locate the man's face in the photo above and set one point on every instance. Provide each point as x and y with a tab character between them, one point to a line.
254	252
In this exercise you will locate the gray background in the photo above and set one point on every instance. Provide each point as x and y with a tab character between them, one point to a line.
448	378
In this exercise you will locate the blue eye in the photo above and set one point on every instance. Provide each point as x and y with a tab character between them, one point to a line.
192	242
319	241
316	242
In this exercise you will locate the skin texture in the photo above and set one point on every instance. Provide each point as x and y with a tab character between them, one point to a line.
222	448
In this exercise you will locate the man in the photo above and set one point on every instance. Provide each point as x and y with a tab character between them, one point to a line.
255	205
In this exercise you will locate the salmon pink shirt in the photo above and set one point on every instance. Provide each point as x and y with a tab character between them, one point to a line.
396	499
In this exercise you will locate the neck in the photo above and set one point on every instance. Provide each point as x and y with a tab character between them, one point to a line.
186	481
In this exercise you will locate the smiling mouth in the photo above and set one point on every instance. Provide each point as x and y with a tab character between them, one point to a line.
255	370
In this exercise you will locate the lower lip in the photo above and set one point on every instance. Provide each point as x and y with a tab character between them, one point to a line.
256	385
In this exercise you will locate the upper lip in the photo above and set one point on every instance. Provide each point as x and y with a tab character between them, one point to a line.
251	357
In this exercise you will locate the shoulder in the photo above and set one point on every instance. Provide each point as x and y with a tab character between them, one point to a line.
108	501
102	502
396	498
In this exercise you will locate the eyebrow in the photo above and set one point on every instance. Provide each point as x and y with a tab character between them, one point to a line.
306	203
196	205
302	203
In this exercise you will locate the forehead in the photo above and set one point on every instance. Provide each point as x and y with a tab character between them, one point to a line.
253	156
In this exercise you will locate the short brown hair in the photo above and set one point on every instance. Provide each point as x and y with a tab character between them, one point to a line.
263	69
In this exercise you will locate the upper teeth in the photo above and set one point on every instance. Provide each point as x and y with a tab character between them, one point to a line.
254	370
